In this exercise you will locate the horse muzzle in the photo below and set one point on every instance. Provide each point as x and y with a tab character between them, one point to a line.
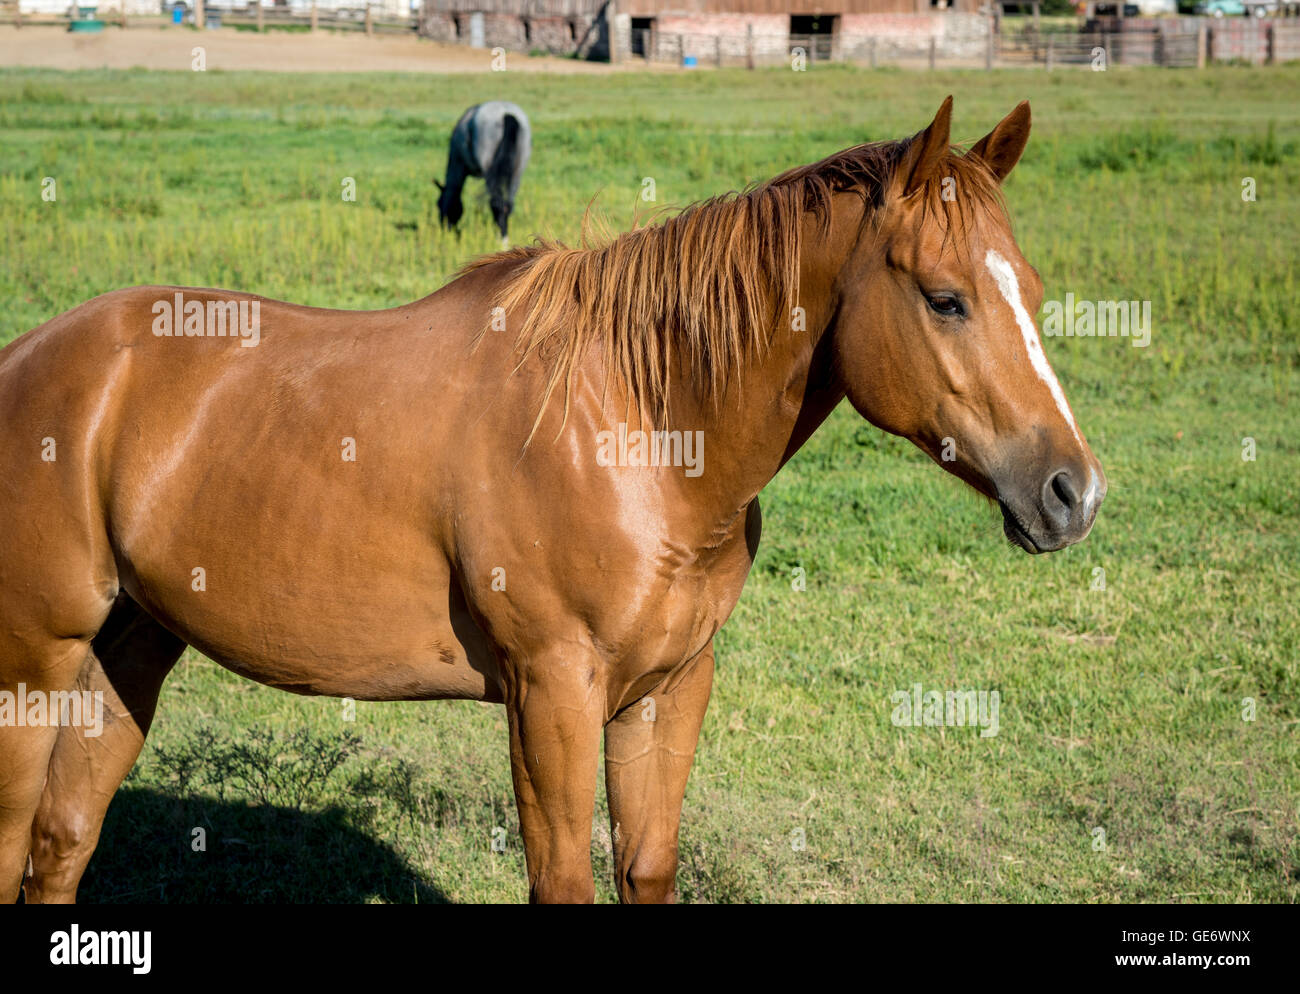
1055	511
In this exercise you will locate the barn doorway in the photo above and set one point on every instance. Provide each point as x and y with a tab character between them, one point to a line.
642	35
813	33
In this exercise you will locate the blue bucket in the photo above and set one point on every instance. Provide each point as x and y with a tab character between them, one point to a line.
689	61
178	14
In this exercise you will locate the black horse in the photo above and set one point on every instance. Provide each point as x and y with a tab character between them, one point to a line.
492	140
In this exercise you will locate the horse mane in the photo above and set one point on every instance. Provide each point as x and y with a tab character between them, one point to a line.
704	287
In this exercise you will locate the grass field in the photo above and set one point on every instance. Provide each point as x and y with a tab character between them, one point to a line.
1121	709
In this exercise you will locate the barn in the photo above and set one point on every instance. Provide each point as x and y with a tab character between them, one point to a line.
713	31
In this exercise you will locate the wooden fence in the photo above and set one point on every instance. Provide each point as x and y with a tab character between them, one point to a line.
1181	42
1103	49
362	17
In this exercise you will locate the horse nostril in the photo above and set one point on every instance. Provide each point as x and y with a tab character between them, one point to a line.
1061	486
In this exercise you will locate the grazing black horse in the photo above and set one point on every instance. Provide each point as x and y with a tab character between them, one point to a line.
492	140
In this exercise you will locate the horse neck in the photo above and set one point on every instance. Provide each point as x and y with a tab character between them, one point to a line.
779	399
456	173
454	182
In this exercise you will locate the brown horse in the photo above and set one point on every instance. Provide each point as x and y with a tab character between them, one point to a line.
537	486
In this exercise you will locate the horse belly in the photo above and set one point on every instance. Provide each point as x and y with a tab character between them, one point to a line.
405	650
345	600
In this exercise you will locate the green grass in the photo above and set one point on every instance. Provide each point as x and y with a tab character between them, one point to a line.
1121	709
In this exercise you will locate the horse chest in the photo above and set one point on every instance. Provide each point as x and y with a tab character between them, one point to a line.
679	616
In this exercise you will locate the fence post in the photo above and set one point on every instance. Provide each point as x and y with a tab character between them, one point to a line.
717	51
313	16
260	22
370	19
1050	44
933	45
988	46
198	14
873	51
1270	45
749	46
1202	46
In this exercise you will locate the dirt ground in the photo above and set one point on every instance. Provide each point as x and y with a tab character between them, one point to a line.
150	47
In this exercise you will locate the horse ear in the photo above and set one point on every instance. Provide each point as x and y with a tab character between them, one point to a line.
1001	148
928	149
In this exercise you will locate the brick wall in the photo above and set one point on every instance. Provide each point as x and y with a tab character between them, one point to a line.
504	31
550	34
557	34
706	36
728	25
439	26
956	34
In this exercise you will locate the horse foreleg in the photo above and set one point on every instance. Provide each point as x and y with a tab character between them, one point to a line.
556	709
128	661
649	748
28	672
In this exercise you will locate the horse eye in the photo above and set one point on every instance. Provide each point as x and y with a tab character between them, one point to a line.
945	304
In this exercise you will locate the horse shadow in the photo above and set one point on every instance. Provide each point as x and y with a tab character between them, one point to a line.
253	854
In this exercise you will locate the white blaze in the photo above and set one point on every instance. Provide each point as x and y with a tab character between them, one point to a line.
1005	277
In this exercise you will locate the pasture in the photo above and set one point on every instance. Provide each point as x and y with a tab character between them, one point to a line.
1123	769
